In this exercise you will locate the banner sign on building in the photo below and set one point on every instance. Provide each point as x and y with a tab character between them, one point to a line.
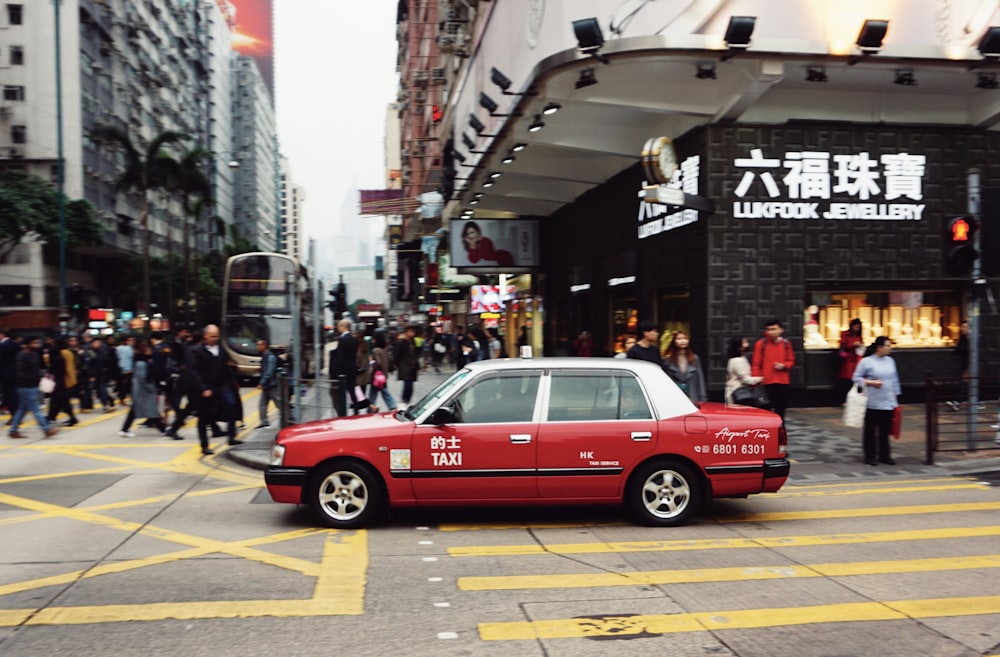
252	24
656	218
818	185
496	245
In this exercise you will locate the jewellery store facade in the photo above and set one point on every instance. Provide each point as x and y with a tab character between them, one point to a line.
814	224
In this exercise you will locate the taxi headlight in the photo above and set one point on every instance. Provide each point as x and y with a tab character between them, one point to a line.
277	454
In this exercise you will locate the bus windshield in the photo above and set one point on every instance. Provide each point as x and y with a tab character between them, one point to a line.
242	333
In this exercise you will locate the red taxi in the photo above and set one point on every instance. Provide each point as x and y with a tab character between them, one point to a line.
539	431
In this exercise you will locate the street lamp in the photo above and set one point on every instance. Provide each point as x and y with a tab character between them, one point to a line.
60	170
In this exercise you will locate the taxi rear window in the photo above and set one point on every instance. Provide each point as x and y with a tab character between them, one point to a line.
578	396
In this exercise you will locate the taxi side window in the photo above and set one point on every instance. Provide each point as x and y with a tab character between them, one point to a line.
591	396
507	397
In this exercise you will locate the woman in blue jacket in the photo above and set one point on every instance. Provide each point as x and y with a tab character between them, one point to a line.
877	373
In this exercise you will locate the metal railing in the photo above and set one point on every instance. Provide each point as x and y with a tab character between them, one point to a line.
958	422
310	399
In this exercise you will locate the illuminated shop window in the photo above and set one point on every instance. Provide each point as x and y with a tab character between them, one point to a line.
911	318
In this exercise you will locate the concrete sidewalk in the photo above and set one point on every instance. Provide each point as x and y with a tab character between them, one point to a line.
820	446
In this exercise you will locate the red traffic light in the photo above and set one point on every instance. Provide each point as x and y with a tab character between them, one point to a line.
961	229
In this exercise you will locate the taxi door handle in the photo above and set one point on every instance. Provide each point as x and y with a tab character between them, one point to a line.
520	438
642	436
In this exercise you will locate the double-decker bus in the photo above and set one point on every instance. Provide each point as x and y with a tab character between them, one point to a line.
258	294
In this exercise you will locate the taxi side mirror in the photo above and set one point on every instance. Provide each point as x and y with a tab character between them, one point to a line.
443	415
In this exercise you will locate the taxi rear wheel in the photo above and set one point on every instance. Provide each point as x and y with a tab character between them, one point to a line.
664	493
345	495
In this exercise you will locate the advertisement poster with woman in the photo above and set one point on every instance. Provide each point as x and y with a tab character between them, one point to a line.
499	245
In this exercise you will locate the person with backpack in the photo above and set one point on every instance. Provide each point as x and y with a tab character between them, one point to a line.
773	357
381	368
268	384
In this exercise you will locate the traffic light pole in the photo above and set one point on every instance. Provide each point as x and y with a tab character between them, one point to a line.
974	320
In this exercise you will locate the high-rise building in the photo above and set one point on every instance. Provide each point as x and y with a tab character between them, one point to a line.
292	196
256	206
144	70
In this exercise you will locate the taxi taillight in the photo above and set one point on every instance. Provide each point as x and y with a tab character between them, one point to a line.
782	436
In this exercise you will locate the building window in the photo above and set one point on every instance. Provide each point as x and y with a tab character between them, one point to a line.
12	92
15	14
16	56
19	134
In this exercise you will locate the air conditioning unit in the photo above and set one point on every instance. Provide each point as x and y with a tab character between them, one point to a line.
446	42
15	152
5	110
420	78
438	76
420	97
402	95
405	153
450	27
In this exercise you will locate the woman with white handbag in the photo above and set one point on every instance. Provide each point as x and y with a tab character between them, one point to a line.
878	374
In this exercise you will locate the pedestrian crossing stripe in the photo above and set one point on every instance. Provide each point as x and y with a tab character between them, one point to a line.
682	544
741	619
733	574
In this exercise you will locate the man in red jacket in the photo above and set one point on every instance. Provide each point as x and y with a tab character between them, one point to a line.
773	356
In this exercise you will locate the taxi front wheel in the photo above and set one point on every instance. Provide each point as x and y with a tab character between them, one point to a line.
345	495
664	493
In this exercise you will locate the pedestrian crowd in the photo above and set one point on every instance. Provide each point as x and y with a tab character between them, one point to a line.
162	382
360	367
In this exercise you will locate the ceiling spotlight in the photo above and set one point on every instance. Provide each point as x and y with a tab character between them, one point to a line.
989	45
871	36
816	74
474	202
487	103
705	72
478	126
488	183
537	124
517	148
499	79
738	34
495	175
905	78
586	78
987	81
551	109
508	159
589	37
477	195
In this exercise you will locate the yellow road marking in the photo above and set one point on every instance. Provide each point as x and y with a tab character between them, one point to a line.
971	485
788	515
341	578
859	513
727	543
738	573
304	567
739	619
205	544
57	475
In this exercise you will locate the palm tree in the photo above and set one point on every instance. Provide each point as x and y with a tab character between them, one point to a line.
144	172
196	196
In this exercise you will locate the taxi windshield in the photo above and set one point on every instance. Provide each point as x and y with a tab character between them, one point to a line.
434	397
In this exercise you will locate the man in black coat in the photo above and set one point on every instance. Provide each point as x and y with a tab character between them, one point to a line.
8	372
211	385
343	364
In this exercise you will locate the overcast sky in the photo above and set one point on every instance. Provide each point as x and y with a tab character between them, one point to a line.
335	74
